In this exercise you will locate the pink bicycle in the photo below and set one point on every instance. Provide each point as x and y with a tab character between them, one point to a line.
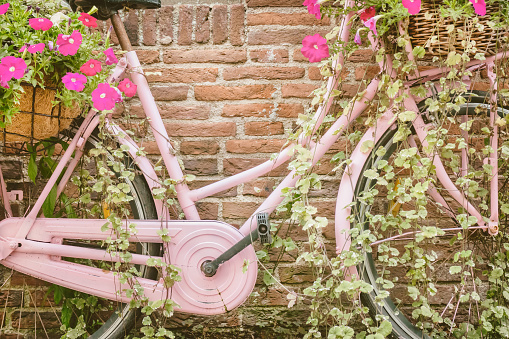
217	262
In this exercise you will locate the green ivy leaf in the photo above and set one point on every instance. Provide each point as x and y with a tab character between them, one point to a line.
455	269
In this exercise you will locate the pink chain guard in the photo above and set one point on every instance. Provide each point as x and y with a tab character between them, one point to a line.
192	243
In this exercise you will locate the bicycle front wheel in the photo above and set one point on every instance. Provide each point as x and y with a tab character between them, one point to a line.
430	280
32	308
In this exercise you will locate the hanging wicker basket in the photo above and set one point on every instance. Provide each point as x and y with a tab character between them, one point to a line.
38	119
429	29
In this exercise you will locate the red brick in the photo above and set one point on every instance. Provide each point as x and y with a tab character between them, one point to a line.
292	36
30	319
208	55
200	166
19	279
219	24
269	55
11	298
218	93
296	274
258	73
232	192
208	210
314	73
167	111
263	128
289	110
254	146
298	56
149	27
247	110
366	73
259	187
148	56
237	14
272	3
284	19
166	24
199	147
238	209
185	24
202	33
297	90
361	55
201	129
169	93
131	26
237	165
185	75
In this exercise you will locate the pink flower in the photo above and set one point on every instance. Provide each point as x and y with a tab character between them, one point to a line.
69	44
367	13
88	20
111	58
4	8
371	23
315	48
40	24
12	67
479	7
127	87
36	48
23	48
104	97
313	7
3	83
357	38
74	81
91	67
413	6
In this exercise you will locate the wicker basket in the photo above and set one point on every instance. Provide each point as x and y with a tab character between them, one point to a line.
38	119
428	24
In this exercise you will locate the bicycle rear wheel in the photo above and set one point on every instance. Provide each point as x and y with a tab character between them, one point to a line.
430	282
28	309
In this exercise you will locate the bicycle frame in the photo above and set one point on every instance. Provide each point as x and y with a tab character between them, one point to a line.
31	244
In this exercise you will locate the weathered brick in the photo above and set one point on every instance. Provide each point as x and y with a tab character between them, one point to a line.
271	3
166	24
199	147
185	24
11	298
30	319
367	73
202	33
232	192
237	14
298	56
258	73
149	27
148	56
292	36
218	93
219	24
289	110
314	73
185	75
19	279
361	55
208	210
247	110
238	209
200	166
297	90
259	187
208	55
269	55
12	169
131	26
169	93
254	146
284	19
169	111
263	128
201	129
237	165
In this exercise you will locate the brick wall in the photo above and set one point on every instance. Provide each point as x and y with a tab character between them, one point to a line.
230	81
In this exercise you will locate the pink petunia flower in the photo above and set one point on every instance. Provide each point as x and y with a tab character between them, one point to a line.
357	38
104	97
42	24
127	87
12	67
4	8
313	8
413	6
88	20
3	83
23	48
371	23
91	67
367	13
111	58
69	44
479	7
36	48
74	81
315	48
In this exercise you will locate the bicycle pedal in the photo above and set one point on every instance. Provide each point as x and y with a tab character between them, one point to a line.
263	225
